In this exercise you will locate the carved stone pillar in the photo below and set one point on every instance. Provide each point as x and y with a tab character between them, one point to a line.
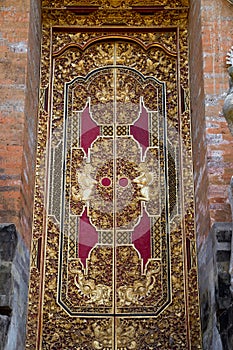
231	260
228	103
228	114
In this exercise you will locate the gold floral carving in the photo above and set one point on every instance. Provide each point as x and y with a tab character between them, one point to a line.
140	288
109	4
144	180
81	49
85	184
98	294
126	18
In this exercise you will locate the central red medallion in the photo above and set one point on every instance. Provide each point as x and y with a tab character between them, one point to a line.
106	181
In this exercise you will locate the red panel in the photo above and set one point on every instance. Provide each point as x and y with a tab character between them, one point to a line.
89	130
141	238
87	237
140	130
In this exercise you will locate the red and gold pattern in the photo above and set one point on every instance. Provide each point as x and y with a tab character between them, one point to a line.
113	258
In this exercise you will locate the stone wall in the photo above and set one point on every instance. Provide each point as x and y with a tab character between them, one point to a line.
224	300
14	275
207	288
215	296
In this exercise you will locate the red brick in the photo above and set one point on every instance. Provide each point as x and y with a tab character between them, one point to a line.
15	152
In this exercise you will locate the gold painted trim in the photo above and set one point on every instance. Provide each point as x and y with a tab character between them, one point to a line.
115	37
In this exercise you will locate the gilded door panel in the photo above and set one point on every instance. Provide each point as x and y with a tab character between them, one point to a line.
112	185
114	243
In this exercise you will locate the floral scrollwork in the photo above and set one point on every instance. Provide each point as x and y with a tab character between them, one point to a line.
103	337
98	294
141	288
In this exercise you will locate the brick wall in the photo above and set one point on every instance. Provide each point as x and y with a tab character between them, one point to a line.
198	120
19	59
30	120
19	82
217	39
211	29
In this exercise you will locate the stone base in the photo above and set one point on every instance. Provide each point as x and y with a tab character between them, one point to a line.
207	287
14	274
224	297
4	325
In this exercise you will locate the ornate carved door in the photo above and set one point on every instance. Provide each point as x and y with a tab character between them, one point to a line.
113	253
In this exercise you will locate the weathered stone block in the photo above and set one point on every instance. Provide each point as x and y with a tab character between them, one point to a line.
14	270
207	283
224	301
8	244
4	325
8	239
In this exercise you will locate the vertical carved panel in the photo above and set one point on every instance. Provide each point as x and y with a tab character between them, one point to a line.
114	202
